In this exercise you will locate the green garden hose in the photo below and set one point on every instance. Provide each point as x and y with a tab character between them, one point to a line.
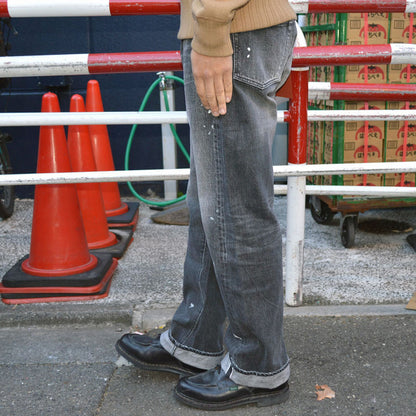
175	135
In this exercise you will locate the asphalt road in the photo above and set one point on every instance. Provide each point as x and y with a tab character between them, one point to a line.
368	361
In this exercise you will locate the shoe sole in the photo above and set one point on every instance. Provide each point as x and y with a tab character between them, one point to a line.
260	400
151	367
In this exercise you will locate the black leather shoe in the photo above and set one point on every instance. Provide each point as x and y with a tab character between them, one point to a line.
214	390
148	354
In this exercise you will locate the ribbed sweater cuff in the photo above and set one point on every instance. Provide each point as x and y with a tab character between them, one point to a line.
212	38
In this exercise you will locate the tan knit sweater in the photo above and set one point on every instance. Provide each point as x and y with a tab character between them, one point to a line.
210	22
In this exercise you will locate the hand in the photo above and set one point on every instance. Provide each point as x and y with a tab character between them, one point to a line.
213	81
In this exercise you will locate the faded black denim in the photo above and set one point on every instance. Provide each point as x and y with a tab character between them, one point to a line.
233	265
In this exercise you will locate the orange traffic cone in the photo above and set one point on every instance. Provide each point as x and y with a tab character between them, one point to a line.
119	214
89	194
59	266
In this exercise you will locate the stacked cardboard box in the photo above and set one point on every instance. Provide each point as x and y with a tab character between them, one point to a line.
321	33
367	137
363	142
367	29
400	145
367	141
401	136
402	30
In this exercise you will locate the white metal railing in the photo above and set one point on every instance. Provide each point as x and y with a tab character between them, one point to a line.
183	174
90	118
180	117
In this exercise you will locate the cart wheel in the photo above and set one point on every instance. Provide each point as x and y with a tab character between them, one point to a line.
320	211
348	227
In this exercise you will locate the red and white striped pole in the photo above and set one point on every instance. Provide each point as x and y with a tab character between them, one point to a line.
359	92
353	6
65	8
295	230
395	53
85	64
70	8
105	63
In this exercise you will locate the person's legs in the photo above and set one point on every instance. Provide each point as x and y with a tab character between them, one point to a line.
233	265
196	334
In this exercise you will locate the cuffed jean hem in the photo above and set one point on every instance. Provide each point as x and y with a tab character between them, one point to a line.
204	361
265	381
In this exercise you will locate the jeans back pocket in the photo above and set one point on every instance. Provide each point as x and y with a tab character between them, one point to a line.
263	58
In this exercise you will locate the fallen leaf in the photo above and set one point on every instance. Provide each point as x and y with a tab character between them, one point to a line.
324	392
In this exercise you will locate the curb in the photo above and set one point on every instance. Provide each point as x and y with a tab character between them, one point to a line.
58	314
349	310
147	319
154	318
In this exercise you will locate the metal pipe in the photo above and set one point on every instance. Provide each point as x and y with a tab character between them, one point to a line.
88	118
352	115
99	63
356	115
64	8
298	115
361	92
295	234
51	8
180	117
343	55
366	191
353	6
105	63
344	169
86	64
292	170
168	139
94	176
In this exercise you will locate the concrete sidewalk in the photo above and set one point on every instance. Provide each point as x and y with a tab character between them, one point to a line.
379	269
353	333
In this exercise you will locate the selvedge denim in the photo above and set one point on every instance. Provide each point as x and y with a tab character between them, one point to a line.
233	265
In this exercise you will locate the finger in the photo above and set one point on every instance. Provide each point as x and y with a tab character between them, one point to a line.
220	96
200	90
228	86
211	97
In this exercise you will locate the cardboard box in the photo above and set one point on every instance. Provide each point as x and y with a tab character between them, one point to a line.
318	74
401	74
402	30
312	18
314	148
400	145
395	179
358	147
314	139
363	180
400	142
367	28
358	152
325	38
398	151
328	143
401	25
371	141
315	19
371	74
